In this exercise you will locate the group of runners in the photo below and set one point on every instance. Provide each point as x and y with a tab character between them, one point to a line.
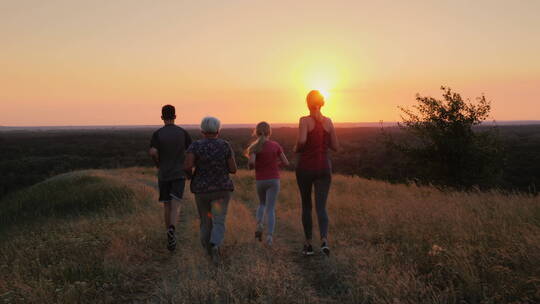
209	162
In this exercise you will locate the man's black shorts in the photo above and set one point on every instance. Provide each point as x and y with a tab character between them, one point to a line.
173	189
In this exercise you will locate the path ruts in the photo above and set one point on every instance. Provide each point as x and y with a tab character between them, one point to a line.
318	271
250	272
166	273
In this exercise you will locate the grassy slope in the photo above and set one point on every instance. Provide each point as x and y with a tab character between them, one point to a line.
391	244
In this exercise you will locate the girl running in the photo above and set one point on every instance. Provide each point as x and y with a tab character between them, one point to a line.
266	156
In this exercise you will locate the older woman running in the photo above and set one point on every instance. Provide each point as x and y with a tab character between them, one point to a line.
213	160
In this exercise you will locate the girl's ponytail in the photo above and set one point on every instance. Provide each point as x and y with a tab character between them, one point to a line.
262	131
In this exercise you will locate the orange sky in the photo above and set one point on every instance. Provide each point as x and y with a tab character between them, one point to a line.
116	62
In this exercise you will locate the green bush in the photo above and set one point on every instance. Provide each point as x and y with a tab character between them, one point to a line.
444	145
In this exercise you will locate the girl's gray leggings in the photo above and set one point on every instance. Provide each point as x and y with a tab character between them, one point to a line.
267	190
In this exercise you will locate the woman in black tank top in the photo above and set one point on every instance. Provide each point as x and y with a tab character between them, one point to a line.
314	169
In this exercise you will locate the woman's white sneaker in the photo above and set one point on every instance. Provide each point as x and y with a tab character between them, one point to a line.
325	249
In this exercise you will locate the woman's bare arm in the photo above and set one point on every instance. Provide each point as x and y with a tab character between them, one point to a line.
189	162
251	161
232	165
302	135
284	160
231	162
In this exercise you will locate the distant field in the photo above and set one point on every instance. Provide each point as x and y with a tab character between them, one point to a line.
96	236
27	157
246	125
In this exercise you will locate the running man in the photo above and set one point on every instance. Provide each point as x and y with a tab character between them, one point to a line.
167	149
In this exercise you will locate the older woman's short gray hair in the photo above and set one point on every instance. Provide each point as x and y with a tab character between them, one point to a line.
210	124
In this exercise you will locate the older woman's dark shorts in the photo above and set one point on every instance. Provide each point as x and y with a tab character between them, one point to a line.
173	189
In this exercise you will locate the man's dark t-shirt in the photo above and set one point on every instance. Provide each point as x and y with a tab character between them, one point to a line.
171	141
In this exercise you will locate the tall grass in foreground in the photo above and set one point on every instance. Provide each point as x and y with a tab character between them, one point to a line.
390	244
81	237
424	245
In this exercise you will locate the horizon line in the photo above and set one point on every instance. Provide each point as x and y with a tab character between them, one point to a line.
251	125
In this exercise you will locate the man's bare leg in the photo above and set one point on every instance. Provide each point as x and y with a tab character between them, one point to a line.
170	214
167	214
174	208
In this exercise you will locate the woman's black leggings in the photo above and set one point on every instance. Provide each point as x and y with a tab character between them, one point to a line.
320	180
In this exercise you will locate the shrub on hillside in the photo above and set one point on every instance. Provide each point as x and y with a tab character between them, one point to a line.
444	147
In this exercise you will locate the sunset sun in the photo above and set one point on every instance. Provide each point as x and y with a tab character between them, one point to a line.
324	92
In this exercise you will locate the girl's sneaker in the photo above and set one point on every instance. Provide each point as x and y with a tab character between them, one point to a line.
325	249
308	250
258	235
269	240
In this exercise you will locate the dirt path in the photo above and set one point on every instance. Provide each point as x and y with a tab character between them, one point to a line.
163	266
250	272
319	272
170	267
171	271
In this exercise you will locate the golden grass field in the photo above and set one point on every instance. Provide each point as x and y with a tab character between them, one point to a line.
97	237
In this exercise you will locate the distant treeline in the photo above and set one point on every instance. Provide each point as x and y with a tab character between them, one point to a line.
27	157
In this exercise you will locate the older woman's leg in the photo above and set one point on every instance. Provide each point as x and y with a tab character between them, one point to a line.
219	205
205	217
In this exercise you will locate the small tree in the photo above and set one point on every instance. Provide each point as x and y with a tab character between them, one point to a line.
444	147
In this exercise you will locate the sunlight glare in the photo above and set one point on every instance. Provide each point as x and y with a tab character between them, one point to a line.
324	92
321	70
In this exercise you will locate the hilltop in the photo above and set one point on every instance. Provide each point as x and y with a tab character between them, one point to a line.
97	236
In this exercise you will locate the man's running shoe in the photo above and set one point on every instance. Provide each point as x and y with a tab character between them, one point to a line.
325	249
308	250
171	240
258	235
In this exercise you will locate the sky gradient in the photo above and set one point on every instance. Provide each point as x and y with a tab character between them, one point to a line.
117	62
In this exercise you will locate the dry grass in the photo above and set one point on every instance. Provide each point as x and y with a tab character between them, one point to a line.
390	244
100	252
